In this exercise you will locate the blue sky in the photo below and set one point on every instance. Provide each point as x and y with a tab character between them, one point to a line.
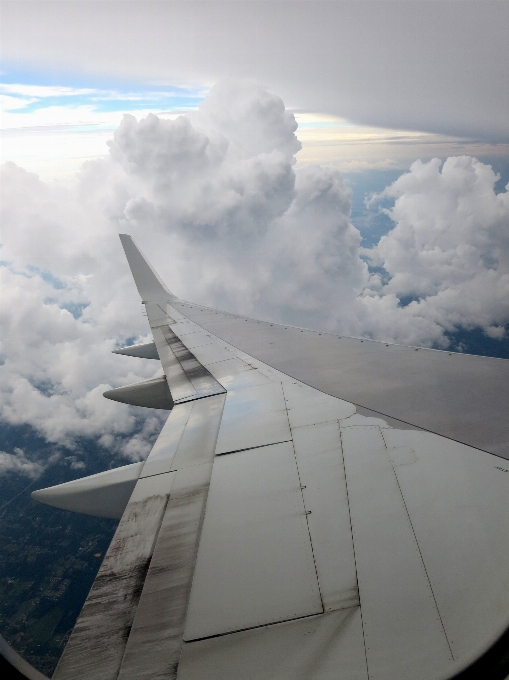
26	92
51	121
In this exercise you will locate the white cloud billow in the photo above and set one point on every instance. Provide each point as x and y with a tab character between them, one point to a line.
215	201
450	247
18	463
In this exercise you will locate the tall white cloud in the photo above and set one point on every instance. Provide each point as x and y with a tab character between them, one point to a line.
216	202
449	249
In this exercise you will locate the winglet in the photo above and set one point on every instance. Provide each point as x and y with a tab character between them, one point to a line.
150	286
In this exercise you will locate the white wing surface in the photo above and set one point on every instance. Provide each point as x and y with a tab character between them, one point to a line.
276	533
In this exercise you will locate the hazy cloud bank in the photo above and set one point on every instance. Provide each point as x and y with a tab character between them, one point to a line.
214	200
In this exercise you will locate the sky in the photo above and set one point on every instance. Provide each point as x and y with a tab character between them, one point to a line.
341	166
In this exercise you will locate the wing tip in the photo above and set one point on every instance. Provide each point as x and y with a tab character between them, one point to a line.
150	285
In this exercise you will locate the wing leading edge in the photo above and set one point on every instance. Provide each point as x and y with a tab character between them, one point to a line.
275	532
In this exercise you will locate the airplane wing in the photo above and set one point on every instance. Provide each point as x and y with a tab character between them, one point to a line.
296	518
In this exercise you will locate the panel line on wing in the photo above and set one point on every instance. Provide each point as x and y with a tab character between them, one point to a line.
254	563
353	550
256	627
418	548
326	646
396	599
253	416
248	448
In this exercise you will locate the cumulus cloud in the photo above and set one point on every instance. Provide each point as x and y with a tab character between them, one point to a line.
252	119
449	250
266	239
56	363
215	200
18	463
201	189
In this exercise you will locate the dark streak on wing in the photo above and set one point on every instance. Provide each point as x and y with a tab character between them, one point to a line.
201	379
96	646
155	641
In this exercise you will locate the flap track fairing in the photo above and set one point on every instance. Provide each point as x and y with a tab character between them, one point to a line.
147	350
153	393
102	495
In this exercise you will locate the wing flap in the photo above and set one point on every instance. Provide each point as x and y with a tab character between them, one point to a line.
255	562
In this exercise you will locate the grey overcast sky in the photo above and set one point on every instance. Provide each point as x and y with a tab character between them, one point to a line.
439	66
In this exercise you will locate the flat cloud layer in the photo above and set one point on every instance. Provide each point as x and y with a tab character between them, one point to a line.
421	65
215	201
450	245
